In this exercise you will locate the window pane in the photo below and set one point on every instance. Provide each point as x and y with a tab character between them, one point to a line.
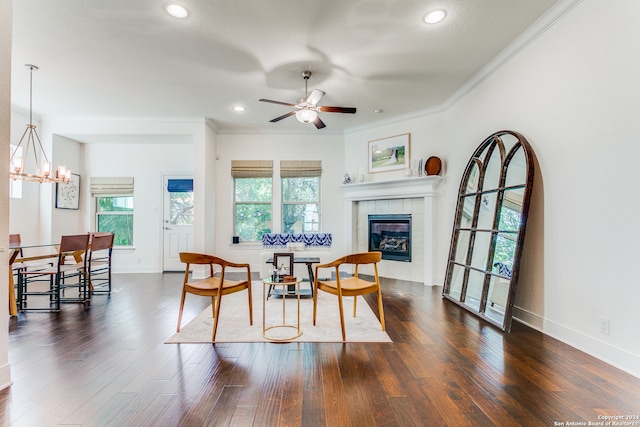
253	220
253	189
115	204
300	218
181	206
301	189
121	225
115	214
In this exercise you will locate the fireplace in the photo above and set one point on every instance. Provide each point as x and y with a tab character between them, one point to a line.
391	235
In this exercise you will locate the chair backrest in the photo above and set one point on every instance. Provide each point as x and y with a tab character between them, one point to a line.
74	242
101	241
363	258
14	240
278	258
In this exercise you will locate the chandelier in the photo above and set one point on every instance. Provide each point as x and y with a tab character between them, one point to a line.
30	143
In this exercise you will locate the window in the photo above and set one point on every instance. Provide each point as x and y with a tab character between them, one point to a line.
115	214
15	185
253	194
114	207
252	208
180	201
300	195
300	205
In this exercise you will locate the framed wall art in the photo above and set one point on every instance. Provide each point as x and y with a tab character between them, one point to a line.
68	195
389	154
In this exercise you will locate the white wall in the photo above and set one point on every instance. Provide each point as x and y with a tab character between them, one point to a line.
327	148
5	122
573	93
146	163
69	153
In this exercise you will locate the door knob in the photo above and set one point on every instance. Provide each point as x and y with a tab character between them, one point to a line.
167	228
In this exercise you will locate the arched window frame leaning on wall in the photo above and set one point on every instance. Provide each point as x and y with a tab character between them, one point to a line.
489	228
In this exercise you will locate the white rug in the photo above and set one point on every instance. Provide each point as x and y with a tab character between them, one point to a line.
234	320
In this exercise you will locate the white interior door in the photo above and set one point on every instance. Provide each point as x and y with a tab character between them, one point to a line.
177	220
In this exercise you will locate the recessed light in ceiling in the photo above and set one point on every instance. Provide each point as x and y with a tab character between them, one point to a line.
435	16
177	11
378	111
238	108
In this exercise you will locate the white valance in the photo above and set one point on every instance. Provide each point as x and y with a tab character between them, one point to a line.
111	186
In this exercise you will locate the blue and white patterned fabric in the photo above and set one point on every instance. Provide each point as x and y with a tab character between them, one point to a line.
503	269
280	240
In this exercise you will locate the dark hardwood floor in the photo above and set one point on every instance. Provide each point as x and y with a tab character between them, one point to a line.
106	365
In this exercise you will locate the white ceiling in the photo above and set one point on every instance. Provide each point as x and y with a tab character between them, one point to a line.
128	59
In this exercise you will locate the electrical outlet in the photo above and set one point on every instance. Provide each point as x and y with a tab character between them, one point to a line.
605	325
139	259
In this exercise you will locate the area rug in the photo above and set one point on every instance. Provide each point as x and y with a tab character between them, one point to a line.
234	321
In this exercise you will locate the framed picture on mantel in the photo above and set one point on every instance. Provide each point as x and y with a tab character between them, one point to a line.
68	195
389	154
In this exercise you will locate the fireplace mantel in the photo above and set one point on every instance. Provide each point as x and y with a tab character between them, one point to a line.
396	189
408	188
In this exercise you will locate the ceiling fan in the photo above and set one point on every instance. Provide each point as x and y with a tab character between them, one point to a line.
306	111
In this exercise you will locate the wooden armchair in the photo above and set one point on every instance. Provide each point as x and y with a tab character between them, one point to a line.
350	286
213	286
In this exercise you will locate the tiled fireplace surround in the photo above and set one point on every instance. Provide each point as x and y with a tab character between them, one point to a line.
415	196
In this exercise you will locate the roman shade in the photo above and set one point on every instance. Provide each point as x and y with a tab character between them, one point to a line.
300	168
179	185
252	168
111	186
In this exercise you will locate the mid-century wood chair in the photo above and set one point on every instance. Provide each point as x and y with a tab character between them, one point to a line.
350	286
215	286
99	263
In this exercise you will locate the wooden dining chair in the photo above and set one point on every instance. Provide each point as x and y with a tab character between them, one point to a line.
64	268
350	286
99	263
215	286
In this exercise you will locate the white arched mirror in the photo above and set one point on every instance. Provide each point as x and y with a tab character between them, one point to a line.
488	230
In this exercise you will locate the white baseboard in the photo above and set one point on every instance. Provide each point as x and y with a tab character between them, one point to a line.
614	356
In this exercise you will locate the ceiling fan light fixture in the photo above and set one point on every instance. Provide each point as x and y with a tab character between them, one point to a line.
306	116
435	16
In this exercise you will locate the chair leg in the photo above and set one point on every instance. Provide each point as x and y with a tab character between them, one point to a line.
181	308
315	305
355	300
340	308
216	317
381	309
250	305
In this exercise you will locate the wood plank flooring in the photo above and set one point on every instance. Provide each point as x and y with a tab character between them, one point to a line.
105	364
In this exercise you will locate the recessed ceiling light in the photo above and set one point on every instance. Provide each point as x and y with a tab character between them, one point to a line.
177	11
435	16
238	108
378	111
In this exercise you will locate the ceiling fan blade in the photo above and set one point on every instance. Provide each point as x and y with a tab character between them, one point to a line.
284	116
319	123
327	109
315	96
277	102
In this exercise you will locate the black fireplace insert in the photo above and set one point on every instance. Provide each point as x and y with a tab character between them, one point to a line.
391	235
